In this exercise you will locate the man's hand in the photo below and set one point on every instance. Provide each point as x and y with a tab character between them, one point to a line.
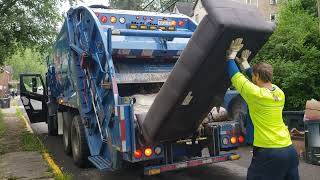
234	48
243	60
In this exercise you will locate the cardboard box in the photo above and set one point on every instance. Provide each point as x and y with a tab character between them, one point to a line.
312	110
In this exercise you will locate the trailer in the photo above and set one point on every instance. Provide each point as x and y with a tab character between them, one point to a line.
117	93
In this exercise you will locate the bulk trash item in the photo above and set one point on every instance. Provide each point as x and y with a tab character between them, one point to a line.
312	110
199	79
312	141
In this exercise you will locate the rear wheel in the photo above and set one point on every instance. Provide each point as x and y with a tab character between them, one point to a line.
67	121
80	150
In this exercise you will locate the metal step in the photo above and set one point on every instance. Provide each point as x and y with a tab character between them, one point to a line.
101	163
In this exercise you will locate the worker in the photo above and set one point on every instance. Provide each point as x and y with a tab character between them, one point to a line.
247	119
274	157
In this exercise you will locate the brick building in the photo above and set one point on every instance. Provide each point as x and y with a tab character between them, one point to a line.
268	8
5	78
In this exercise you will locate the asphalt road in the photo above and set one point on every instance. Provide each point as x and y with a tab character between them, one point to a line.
225	170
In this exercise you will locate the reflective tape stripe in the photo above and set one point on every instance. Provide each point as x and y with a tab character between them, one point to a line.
122	126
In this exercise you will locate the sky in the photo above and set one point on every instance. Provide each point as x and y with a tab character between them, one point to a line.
64	7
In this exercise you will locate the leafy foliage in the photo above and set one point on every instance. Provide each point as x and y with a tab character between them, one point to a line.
26	61
27	23
127	4
294	52
149	5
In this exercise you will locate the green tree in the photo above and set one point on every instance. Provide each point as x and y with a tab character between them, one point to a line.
27	61
27	23
127	4
294	52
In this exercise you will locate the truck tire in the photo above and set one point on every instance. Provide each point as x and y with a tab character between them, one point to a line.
66	138
52	125
80	149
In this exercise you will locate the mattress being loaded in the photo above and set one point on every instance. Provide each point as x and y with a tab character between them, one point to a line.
199	79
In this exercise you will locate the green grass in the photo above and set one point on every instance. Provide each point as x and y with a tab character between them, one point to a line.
2	125
65	176
31	142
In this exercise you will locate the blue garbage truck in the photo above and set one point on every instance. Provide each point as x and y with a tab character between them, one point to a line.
104	77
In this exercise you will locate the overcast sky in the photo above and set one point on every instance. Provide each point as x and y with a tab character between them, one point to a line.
65	7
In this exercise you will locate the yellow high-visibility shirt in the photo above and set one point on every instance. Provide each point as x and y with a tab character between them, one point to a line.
265	109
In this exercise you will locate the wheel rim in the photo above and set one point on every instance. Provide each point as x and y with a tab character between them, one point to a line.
65	137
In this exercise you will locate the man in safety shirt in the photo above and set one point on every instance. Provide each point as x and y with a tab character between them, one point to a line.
274	157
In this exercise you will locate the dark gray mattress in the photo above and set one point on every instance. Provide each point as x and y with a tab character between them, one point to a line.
199	79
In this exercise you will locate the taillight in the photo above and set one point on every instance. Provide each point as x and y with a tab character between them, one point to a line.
122	20
113	19
233	140
104	19
225	141
137	17
151	18
173	23
241	139
144	17
157	150
137	154
148	152
180	23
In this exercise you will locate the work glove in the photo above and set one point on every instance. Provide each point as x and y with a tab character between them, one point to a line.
243	60
234	48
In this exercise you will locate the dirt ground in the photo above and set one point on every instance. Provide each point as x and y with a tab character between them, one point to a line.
15	162
11	141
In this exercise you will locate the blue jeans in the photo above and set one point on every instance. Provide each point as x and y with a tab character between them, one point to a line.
274	164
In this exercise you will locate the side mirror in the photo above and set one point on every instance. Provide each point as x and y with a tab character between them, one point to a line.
34	85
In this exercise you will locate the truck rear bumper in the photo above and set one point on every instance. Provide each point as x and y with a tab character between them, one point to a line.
153	170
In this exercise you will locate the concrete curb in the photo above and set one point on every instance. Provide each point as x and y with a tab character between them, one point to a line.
52	164
26	123
56	170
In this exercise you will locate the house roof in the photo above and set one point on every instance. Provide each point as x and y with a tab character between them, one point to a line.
185	8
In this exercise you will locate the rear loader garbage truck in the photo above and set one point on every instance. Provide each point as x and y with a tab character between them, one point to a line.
133	88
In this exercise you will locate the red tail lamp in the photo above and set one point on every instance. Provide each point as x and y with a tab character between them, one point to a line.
104	19
137	154
233	140
148	152
180	23
241	139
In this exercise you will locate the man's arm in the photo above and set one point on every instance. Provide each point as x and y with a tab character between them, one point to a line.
244	64
246	88
249	72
